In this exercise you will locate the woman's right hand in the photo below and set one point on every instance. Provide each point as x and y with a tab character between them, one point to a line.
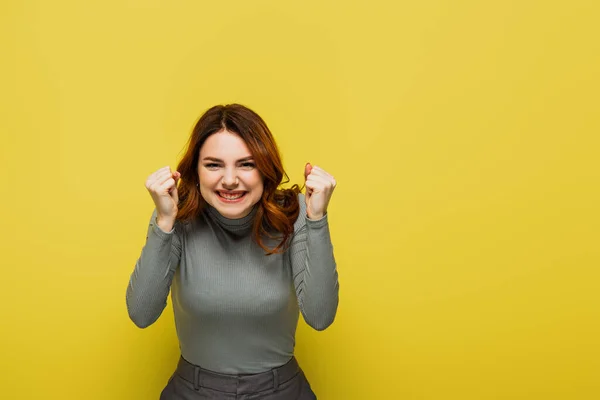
162	186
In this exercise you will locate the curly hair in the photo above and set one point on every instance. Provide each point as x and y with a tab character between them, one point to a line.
278	208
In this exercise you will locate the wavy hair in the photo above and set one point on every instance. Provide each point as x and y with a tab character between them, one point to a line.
278	208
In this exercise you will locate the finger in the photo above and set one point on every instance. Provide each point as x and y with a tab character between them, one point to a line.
157	173
163	182
324	181
327	180
168	186
176	175
310	184
175	195
316	184
162	171
161	178
307	170
172	188
151	181
321	172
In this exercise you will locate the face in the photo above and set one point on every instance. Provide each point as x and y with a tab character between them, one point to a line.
229	179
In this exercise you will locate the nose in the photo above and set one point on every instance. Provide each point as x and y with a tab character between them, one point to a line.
230	179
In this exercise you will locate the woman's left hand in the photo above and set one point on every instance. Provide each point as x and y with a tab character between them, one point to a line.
319	188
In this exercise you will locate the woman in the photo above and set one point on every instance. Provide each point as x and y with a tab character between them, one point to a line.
243	258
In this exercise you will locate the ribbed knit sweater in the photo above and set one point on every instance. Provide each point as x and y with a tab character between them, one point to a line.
236	310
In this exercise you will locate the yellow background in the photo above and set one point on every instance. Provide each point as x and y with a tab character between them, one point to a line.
463	135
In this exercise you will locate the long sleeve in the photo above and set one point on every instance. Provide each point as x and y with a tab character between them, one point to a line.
314	270
151	279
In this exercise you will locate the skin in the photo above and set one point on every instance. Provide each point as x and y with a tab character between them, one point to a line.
234	172
319	189
226	166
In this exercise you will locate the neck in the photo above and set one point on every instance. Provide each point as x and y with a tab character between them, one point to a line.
235	225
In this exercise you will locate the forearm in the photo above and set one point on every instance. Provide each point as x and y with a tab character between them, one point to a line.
318	294
151	279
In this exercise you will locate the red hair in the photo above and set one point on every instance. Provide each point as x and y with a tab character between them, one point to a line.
278	208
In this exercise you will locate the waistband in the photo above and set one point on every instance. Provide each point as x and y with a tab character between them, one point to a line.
239	384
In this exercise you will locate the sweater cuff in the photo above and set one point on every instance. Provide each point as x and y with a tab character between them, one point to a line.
159	232
316	223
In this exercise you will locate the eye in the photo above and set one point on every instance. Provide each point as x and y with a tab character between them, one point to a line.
248	165
212	166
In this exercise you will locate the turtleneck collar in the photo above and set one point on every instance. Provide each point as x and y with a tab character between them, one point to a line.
239	226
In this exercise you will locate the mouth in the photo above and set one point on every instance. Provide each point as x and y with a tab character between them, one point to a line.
231	197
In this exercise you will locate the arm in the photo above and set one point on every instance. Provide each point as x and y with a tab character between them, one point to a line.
314	270
151	279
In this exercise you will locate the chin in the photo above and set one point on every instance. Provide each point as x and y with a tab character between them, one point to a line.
231	211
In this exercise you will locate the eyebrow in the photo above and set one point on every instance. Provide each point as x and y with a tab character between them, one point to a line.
219	160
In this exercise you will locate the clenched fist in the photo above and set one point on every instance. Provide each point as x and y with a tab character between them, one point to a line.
162	186
319	188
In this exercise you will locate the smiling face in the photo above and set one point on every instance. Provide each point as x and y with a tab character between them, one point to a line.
229	179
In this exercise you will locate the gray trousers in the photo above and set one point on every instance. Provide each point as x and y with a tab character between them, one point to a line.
190	382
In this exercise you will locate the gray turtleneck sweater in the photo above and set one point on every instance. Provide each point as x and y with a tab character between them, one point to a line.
236	309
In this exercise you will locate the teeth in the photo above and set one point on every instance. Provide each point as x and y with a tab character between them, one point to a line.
231	197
